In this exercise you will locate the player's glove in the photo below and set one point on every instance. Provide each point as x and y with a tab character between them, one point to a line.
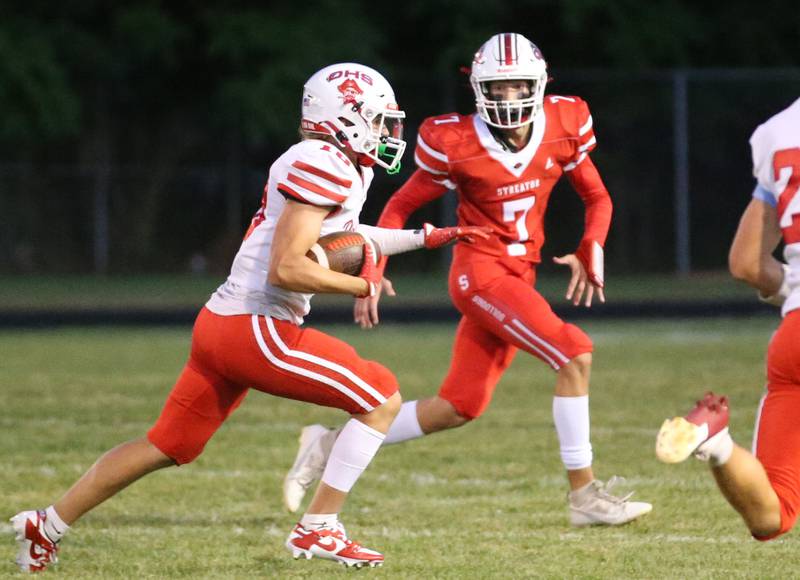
590	254
782	294
438	237
371	271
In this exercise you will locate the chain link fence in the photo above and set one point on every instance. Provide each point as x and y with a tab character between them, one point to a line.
672	148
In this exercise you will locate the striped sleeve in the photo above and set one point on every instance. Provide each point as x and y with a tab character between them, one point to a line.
429	155
316	176
580	124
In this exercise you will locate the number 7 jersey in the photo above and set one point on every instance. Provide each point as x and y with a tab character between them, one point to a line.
510	190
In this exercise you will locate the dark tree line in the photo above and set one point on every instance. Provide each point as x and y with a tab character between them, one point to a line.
152	88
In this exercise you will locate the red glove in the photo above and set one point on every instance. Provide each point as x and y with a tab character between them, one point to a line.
590	254
370	270
438	237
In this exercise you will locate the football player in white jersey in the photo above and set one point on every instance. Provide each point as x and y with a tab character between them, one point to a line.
248	335
763	486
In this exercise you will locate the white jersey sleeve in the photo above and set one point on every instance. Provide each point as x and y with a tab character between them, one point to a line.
782	131
775	148
317	174
312	172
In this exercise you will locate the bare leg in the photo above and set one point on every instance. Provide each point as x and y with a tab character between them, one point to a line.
328	500
744	483
113	472
572	380
437	414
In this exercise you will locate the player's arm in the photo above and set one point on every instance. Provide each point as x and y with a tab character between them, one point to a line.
392	241
420	189
587	263
750	259
586	180
298	229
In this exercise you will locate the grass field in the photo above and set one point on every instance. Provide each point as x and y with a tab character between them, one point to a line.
484	501
185	291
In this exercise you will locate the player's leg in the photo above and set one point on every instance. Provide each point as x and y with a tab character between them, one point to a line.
740	476
197	405
308	365
453	406
478	361
510	308
764	488
746	486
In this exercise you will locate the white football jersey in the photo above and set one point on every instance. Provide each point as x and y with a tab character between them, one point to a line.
776	165
312	172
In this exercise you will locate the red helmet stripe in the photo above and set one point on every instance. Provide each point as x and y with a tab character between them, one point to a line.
510	53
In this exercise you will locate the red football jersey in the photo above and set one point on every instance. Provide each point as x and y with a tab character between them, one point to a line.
510	190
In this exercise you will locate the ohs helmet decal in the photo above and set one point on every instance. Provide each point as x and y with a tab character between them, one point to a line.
355	105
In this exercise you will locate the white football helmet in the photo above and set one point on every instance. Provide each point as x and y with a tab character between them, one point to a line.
508	56
356	106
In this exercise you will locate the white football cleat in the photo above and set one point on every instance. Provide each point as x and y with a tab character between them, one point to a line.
35	551
331	544
594	504
316	443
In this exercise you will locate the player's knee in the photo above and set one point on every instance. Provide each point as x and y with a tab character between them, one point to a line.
439	414
770	518
766	527
381	417
392	405
579	340
577	370
178	448
451	417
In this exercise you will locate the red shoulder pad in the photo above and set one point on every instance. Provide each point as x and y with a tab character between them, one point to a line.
435	136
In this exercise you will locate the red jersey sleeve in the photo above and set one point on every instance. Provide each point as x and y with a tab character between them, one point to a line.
420	189
587	182
430	154
577	120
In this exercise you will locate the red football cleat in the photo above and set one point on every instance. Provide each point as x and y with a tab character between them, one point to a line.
331	544
35	550
682	436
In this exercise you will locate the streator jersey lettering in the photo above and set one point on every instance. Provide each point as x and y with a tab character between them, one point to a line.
312	172
507	190
775	148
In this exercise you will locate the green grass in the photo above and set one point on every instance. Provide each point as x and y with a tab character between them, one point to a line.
184	291
484	501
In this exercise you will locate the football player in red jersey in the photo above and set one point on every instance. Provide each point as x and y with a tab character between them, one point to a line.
763	486
503	162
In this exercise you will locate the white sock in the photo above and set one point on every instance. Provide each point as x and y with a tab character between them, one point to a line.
717	450
354	448
571	416
405	426
317	521
54	526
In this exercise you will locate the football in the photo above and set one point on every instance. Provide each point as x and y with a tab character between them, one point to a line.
341	252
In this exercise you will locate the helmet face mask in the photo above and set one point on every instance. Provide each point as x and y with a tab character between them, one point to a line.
356	106
508	57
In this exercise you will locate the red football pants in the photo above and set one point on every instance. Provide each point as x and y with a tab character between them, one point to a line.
777	442
230	354
502	313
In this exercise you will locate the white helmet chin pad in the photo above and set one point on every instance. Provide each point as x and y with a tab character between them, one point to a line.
356	105
508	56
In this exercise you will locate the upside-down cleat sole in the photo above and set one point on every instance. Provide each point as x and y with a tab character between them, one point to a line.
678	439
